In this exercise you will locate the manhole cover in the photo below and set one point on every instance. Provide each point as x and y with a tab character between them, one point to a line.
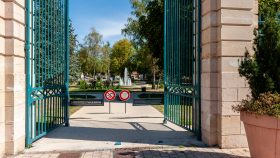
124	154
69	155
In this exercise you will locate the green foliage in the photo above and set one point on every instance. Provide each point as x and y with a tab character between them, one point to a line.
94	56
93	42
161	85
74	65
122	52
105	59
262	70
83	84
97	85
266	104
146	28
75	68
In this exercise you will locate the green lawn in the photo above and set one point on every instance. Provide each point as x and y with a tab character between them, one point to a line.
179	117
73	109
160	108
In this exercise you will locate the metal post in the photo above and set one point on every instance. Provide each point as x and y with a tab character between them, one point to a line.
27	54
125	106
199	68
165	58
66	116
109	107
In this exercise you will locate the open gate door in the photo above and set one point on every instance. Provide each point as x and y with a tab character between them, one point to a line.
46	66
182	63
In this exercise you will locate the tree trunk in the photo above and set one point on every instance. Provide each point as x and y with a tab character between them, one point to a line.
154	80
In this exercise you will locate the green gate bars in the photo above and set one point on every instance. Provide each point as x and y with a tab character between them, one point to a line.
47	59
182	63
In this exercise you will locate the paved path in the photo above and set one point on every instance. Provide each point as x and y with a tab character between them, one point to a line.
92	128
138	134
187	152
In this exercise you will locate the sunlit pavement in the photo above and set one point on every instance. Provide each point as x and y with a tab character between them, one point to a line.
187	152
138	133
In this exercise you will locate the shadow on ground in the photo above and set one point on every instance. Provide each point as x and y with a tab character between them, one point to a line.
91	128
139	134
138	153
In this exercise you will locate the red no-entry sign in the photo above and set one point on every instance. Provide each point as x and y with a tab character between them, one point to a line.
124	95
110	95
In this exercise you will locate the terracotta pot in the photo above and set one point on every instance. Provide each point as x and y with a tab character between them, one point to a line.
263	134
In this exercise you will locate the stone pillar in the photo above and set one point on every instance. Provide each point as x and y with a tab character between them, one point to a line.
209	86
227	31
2	79
14	75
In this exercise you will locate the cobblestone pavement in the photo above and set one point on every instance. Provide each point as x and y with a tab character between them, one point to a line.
188	152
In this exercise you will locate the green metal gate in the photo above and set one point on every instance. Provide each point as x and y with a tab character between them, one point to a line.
46	67
182	63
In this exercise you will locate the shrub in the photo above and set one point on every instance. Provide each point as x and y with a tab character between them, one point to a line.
262	69
99	85
266	104
161	85
83	84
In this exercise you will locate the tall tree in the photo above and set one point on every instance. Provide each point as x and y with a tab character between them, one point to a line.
106	51
122	52
93	42
146	27
91	53
74	65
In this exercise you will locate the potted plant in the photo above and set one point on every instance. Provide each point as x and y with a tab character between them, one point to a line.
260	112
261	118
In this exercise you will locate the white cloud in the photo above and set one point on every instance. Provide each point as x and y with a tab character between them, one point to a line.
110	28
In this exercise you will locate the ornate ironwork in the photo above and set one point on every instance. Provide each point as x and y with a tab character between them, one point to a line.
47	56
182	63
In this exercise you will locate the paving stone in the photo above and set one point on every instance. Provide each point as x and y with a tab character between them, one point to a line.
174	153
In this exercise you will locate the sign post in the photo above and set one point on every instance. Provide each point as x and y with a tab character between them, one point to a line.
110	95
124	96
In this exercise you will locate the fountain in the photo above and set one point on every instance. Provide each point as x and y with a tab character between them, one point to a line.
121	82
125	81
129	83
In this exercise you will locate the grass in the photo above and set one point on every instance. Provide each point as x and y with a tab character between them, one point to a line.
73	109
159	108
181	120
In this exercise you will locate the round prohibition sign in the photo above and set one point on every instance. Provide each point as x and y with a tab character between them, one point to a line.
124	95
110	95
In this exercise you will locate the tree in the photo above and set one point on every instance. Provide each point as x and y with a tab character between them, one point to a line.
74	65
83	56
106	51
122	52
91	54
155	70
93	42
146	27
262	69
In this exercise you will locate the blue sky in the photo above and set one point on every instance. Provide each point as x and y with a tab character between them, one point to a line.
107	16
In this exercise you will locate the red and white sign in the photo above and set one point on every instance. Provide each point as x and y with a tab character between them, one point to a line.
124	95
110	95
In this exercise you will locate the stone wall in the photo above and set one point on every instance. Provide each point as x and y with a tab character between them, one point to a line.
12	76
227	31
